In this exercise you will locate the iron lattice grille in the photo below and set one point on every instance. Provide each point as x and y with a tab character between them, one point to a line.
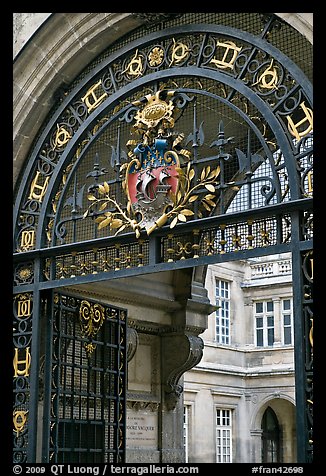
88	380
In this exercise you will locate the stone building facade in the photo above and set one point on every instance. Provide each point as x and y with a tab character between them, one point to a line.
242	373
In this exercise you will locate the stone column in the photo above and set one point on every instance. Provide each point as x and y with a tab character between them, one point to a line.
256	436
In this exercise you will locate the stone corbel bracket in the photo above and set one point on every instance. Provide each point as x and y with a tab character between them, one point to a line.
179	354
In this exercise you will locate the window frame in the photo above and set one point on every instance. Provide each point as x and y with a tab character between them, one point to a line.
283	313
264	315
228	430
219	301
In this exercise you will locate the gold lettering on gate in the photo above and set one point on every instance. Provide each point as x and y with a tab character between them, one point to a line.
230	54
27	240
24	307
38	191
308	118
62	136
91	100
19	419
268	78
135	66
179	52
25	363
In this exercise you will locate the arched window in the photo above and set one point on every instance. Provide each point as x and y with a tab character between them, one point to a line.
271	437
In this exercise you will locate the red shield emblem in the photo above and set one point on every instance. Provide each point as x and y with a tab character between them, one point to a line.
152	183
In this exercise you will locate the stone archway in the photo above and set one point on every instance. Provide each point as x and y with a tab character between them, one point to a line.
284	408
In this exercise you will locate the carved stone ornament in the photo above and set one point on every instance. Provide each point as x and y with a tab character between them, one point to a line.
132	342
180	353
143	405
153	18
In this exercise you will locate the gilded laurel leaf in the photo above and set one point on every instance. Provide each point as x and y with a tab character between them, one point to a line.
193	198
100	219
210	187
182	217
103	206
212	175
191	174
187	212
210	202
101	189
205	205
174	222
91	197
104	223
116	223
106	186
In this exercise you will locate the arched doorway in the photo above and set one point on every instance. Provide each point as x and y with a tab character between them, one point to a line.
271	437
76	221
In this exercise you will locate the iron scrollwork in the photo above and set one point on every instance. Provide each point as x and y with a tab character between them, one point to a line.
91	318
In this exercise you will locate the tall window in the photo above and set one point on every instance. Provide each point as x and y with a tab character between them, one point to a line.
223	436
287	321
264	323
222	328
186	409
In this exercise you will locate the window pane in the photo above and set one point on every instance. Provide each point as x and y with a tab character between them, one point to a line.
270	321
270	306
287	320
259	307
259	322
270	336
287	335
260	341
286	304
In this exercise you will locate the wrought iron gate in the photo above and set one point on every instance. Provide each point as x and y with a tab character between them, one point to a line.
83	215
84	400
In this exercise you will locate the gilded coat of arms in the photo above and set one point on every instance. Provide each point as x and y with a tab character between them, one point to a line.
159	181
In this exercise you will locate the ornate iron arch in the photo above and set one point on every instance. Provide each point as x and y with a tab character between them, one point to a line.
84	118
151	87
